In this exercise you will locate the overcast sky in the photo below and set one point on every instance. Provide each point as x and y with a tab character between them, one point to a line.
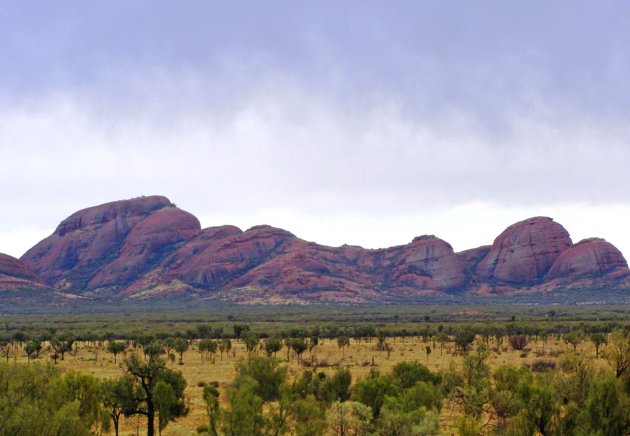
359	122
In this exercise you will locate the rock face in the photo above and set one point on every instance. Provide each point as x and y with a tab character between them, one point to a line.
145	245
148	248
592	256
524	252
428	262
87	241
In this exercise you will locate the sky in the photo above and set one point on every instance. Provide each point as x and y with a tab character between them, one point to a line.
358	122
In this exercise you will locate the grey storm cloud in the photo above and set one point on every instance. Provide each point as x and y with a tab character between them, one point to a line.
364	108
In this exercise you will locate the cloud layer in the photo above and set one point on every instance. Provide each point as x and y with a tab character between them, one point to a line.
359	123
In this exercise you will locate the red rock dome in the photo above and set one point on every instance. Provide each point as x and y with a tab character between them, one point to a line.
525	251
592	256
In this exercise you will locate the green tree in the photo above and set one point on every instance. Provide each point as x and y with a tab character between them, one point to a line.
618	352
63	345
407	374
118	398
349	418
32	349
373	390
225	346
442	338
574	337
396	419
607	407
239	329
147	375
503	397
116	347
272	346
312	343
211	399
267	373
464	340
251	341
343	342
244	414
37	399
181	346
299	346
598	339
308	416
540	409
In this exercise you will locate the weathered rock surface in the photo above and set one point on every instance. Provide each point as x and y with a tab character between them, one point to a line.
147	243
592	256
524	252
148	248
429	263
86	241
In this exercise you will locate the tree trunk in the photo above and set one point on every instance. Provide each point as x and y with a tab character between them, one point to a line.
150	418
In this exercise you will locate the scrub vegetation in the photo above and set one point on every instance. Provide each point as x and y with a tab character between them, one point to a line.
318	371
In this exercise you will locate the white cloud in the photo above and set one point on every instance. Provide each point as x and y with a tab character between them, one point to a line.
329	168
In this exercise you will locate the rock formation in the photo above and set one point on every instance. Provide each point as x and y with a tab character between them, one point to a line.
524	252
87	241
148	248
588	257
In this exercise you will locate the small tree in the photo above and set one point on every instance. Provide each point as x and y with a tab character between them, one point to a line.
211	399
181	346
598	339
342	342
118	398
225	346
116	347
251	341
349	418
239	329
312	343
168	400
61	346
464	339
618	352
442	339
32	349
298	345
272	346
574	338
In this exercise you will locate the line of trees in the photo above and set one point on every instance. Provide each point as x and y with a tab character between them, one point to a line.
211	341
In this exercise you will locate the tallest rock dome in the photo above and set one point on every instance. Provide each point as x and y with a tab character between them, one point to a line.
525	251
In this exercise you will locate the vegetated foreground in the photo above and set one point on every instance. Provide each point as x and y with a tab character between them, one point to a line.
147	248
525	378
